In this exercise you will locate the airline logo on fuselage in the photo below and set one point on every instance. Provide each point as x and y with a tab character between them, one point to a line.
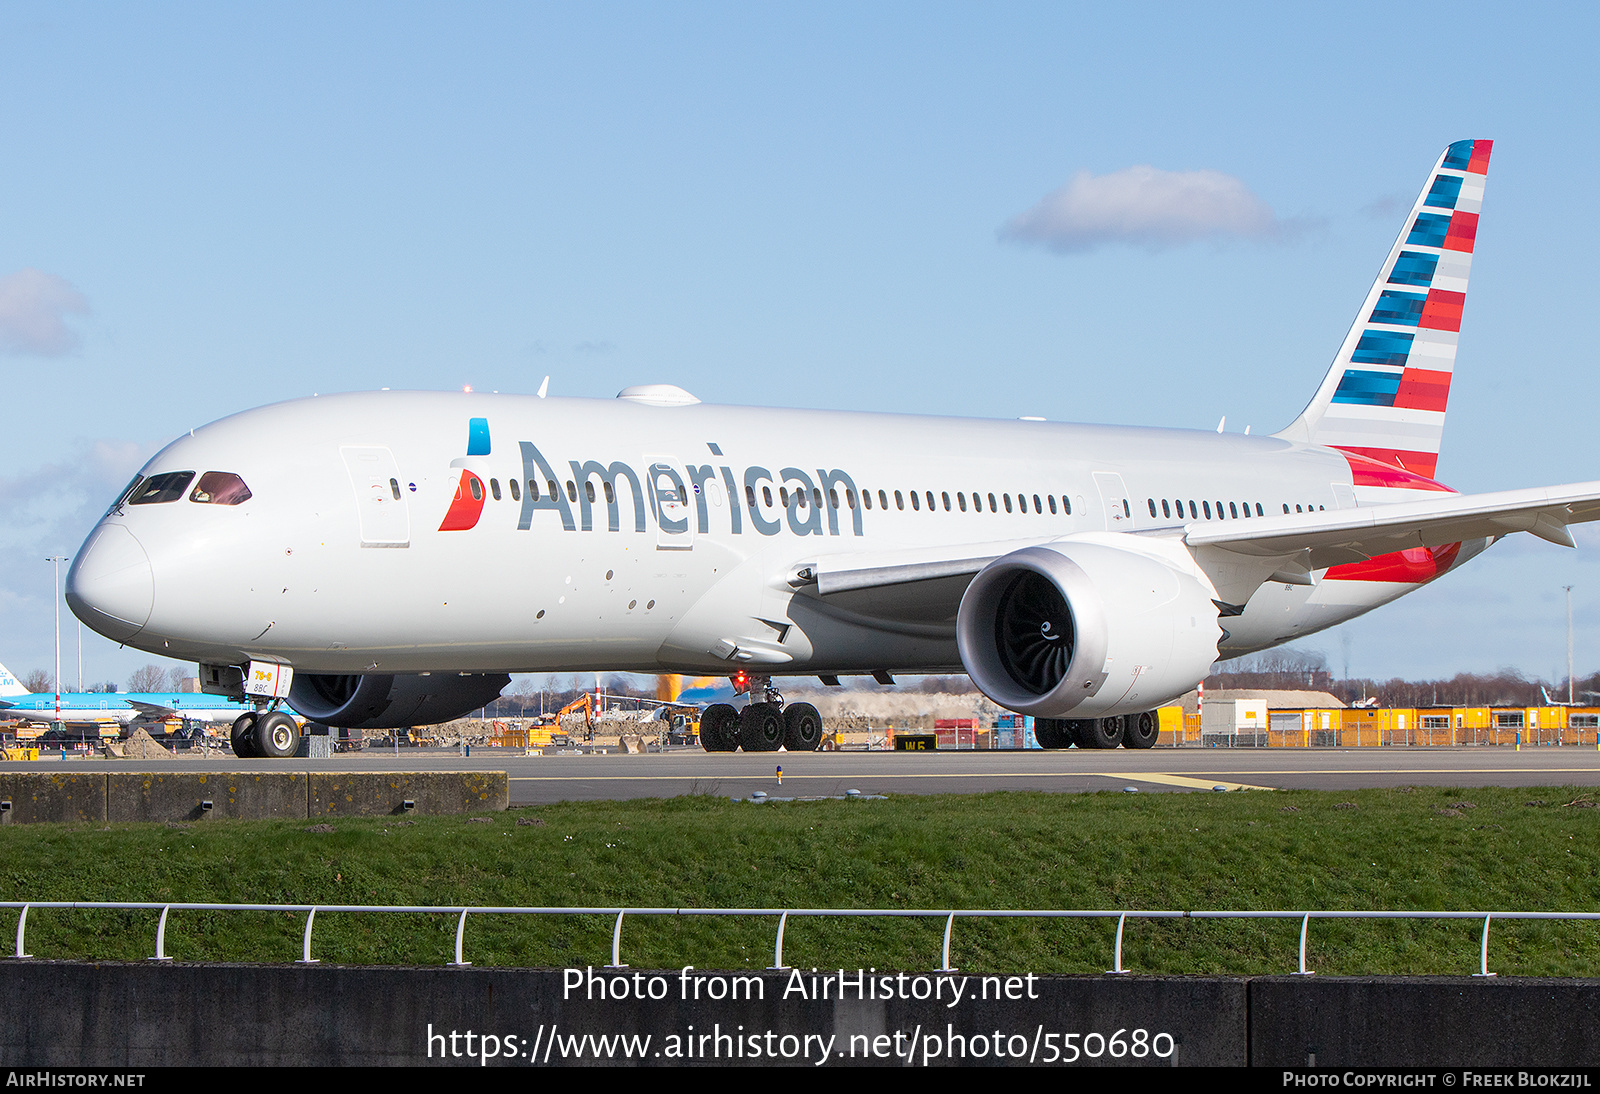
684	499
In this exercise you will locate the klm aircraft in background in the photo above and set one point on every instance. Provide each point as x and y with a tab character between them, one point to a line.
122	707
349	557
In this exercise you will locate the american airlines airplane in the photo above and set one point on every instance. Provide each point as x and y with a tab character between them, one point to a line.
386	558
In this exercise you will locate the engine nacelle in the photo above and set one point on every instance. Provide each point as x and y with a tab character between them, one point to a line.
392	702
1088	628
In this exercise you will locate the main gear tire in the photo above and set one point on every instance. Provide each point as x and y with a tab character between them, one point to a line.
1101	732
1052	732
1141	730
719	728
761	728
802	727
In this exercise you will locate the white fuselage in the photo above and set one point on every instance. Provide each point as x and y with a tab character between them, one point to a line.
337	562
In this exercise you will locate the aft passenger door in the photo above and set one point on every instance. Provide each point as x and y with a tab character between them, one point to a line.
1114	500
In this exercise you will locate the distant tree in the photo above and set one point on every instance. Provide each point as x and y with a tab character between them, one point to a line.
39	681
149	678
176	675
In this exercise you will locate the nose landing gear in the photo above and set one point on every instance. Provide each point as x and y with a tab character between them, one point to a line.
265	735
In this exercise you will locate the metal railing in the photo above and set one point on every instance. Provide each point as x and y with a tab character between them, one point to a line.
781	914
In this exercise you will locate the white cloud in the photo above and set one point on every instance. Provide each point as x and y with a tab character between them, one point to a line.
1149	208
34	306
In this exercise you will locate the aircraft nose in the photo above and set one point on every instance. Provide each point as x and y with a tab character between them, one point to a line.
110	586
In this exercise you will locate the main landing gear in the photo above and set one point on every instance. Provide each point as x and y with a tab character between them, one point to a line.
1127	730
761	726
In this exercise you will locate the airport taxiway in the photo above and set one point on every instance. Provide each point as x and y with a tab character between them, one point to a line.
548	778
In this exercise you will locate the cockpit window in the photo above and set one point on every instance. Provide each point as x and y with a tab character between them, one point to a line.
127	492
223	488
161	488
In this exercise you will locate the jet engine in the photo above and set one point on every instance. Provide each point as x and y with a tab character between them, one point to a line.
391	702
1088	629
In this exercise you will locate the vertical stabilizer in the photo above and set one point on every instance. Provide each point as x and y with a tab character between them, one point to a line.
10	686
1385	396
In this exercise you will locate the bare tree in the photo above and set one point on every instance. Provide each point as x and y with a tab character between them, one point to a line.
38	681
149	678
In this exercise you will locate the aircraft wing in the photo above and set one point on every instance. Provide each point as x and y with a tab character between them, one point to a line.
925	585
857	570
1329	538
151	710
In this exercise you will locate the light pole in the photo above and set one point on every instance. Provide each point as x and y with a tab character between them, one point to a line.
1569	644
55	594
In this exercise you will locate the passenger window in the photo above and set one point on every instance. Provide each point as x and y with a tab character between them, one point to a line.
394	487
1260	512
572	491
1066	505
494	488
816	496
1052	505
833	497
1206	505
1285	507
475	484
611	494
899	502
750	495
1297	507
850	497
944	496
1233	509
1007	499
1152	503
866	499
1037	508
1166	509
555	492
929	496
226	488
961	501
993	508
916	503
883	501
588	492
1219	511
1022	502
162	488
783	496
533	489
516	489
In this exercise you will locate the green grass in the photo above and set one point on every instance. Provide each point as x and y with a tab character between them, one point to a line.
1410	849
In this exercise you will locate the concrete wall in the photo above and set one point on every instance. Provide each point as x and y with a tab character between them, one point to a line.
268	795
148	1015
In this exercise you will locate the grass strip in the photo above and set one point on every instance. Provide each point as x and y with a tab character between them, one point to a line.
1412	849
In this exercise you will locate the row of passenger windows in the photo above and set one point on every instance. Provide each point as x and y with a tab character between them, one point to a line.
917	500
801	499
1235	509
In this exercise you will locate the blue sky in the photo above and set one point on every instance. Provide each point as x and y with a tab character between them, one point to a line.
209	207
